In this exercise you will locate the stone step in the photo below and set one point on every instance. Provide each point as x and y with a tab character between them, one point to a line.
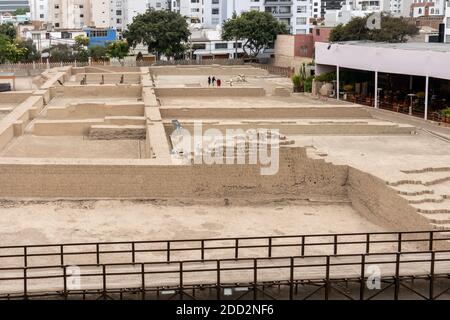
425	170
425	198
445	227
431	208
115	132
437	218
426	181
413	190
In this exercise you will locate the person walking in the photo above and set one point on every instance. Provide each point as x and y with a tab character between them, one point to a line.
209	81
219	82
213	81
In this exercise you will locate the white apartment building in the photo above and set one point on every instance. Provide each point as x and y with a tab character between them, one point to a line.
447	23
70	14
400	8
39	10
210	13
129	9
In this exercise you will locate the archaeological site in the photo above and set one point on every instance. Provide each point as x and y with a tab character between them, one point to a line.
155	183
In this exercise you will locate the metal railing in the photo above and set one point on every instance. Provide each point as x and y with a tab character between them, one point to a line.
254	275
176	250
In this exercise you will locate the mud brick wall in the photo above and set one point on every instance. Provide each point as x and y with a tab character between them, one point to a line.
298	177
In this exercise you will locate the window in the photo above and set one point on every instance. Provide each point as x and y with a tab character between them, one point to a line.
222	45
199	46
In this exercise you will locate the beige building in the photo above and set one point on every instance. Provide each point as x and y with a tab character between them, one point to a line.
71	14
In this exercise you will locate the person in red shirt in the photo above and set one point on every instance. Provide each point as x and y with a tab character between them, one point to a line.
219	82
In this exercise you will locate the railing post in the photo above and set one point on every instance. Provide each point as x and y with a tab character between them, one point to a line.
168	251
303	246
203	250
397	276
291	280
270	248
61	252
25	256
181	280
65	281
143	280
25	284
104	280
236	249
97	246
431	288
133	252
363	276
431	245
327	279
335	244
218	286
399	244
368	243
255	278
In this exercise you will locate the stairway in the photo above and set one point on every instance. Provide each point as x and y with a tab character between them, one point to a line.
428	191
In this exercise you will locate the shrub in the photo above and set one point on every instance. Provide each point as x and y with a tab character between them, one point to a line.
308	84
326	77
296	80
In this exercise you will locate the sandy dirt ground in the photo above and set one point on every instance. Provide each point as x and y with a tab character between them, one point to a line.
31	146
25	83
383	156
296	101
84	221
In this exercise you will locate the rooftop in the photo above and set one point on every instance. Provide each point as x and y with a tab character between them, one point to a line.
418	46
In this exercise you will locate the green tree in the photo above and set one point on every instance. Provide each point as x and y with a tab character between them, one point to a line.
97	52
163	32
21	11
10	51
8	30
392	29
80	52
118	49
81	41
257	29
61	53
32	53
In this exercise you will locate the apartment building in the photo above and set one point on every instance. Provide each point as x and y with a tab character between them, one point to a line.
210	13
39	10
70	14
447	23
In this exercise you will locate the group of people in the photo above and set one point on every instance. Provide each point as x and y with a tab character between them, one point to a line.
213	81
